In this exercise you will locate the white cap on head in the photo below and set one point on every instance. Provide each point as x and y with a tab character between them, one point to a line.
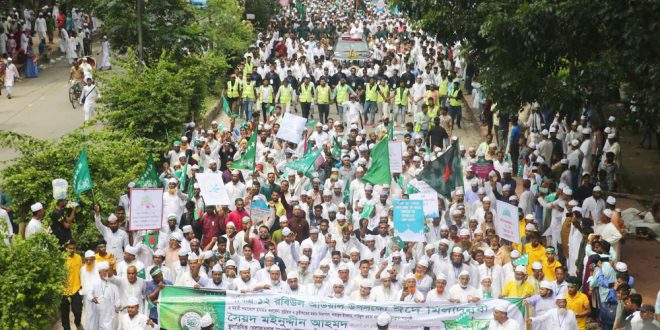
291	275
384	319
367	283
489	253
243	267
560	296
546	285
464	273
131	250
607	213
537	265
132	301
36	207
520	269
457	249
187	229
286	231
89	254
102	265
216	269
515	254
423	263
610	200
464	232
274	268
502	306
597	188
621	267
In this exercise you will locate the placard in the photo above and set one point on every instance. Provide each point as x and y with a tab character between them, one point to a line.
212	188
506	222
409	219
396	156
259	210
146	209
291	128
430	200
482	168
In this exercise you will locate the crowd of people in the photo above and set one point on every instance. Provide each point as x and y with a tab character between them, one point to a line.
559	172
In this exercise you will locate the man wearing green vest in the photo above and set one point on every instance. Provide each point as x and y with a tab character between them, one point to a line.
383	98
249	96
265	97
233	92
401	98
443	88
455	102
341	96
285	96
306	92
370	99
323	101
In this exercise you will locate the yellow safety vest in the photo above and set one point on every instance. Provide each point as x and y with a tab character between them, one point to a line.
232	91
248	90
342	94
444	87
285	94
371	95
427	96
401	97
306	93
270	95
454	102
384	91
247	69
323	94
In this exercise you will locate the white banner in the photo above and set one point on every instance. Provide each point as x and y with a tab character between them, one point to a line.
430	199
276	311
212	188
291	128
396	156
146	209
506	222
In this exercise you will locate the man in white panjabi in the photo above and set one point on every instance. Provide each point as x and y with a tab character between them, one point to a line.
105	50
88	98
133	319
462	291
559	318
104	298
34	225
130	287
501	320
88	275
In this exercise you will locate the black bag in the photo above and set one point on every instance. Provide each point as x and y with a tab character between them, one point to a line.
85	97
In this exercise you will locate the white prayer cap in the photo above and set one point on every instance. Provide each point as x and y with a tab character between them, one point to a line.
515	254
243	267
319	272
423	263
207	254
553	129
441	276
568	191
529	217
274	268
502	306
112	217
183	252
303	258
196	185
177	236
327	193
544	132
611	119
489	253
506	187
132	301
464	273
286	231
597	188
396	254
607	213
246	219
217	269
546	285
235	172
89	254
195	167
444	240
459	191
575	143
485	199
291	275
205	321
456	212
230	263
610	200
337	281
429	247
611	136
464	232
385	275
131	250
367	255
354	250
368	186
410	276
187	229
171	180
342	266
36	207
560	296
269	255
384	319
513	198
417	159
486	276
457	249
367	283
577	209
537	265
520	269
573	203
621	267
607	130
193	256
102	265
341	205
159	253
283	219
586	131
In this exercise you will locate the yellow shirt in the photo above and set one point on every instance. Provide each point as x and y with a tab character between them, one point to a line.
73	265
549	269
109	258
578	304
512	290
535	254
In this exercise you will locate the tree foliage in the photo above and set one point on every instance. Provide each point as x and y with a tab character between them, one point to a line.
563	54
263	10
31	282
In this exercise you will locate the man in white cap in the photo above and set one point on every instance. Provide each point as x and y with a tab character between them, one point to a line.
173	199
439	293
206	322
607	230
409	292
501	320
88	274
462	292
130	259
542	301
130	286
387	291
11	74
318	287
557	318
383	321
133	320
116	238
494	271
244	283
104	298
457	266
518	287
293	286
363	294
216	281
289	249
585	148
34	225
593	206
235	188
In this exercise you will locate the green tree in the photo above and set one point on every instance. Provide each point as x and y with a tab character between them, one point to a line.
31	282
263	10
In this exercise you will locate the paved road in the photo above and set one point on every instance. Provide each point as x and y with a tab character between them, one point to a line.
40	107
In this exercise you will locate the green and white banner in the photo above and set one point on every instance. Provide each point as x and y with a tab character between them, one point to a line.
181	308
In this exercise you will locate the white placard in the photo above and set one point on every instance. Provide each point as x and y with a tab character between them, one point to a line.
396	156
146	209
212	188
506	222
291	128
430	199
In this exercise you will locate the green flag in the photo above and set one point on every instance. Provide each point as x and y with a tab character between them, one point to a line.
225	106
82	179
390	131
336	149
151	240
347	192
379	172
366	211
248	161
142	274
445	173
399	242
149	179
302	11
522	261
306	163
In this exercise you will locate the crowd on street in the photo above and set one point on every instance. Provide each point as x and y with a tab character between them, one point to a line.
559	170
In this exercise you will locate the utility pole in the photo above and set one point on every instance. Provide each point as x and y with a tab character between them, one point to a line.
139	30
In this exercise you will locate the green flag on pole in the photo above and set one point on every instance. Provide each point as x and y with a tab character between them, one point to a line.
390	131
302	11
366	211
522	261
247	162
225	106
445	173
149	179
336	149
82	179
306	163
379	172
347	192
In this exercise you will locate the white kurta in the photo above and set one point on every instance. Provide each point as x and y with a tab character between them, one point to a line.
107	296
551	320
138	322
463	294
172	203
105	50
33	227
115	241
88	98
510	324
87	279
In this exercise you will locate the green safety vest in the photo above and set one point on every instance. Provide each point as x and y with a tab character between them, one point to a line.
306	93
401	97
323	94
270	95
232	91
444	87
285	94
454	102
384	91
248	90
342	94
371	95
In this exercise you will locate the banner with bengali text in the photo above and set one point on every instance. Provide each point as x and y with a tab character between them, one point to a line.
181	308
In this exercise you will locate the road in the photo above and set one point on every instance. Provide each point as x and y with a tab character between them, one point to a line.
40	107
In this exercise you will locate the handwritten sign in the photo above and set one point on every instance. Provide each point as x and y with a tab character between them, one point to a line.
146	209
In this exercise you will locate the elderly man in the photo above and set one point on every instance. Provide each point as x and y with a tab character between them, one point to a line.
494	271
463	292
387	291
129	287
501	320
409	292
104	297
558	318
133	320
519	287
439	293
274	283
293	286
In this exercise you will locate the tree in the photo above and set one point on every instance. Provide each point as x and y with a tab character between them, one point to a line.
31	282
263	10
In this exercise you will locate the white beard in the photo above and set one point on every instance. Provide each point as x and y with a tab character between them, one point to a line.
562	311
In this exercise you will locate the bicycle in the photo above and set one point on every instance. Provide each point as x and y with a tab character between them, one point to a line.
75	90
